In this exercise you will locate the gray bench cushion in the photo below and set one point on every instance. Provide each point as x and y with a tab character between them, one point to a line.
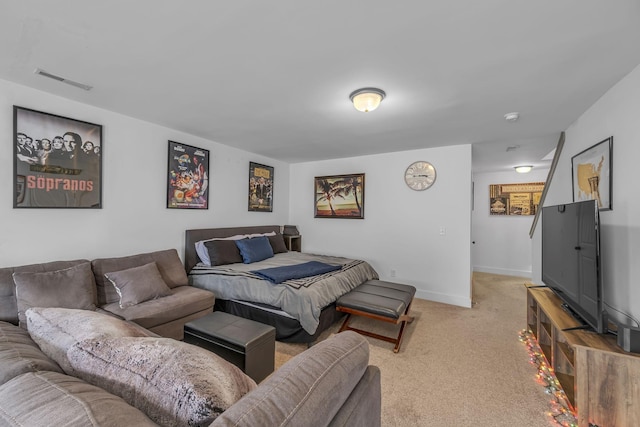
386	299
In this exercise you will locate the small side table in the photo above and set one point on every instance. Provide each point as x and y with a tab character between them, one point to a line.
293	243
249	345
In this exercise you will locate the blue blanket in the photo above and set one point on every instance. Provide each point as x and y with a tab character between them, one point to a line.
296	271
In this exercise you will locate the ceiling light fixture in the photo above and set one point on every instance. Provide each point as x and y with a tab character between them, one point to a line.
512	117
367	99
523	168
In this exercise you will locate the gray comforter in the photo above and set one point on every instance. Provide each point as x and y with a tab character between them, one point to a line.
304	303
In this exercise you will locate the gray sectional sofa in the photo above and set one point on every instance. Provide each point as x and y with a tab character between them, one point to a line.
96	355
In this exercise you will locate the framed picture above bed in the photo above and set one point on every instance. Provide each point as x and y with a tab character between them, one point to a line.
339	196
57	161
260	188
187	177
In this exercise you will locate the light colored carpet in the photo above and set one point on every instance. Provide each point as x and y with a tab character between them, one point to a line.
457	366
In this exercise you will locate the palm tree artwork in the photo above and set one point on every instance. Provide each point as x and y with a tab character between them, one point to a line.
340	196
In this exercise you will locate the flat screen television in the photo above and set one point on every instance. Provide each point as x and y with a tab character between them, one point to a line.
571	262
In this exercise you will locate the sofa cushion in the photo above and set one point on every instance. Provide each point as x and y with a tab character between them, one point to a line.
72	287
183	301
313	384
8	305
138	284
167	261
174	383
57	329
20	354
55	399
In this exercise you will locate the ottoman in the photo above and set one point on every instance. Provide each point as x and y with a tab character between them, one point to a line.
247	344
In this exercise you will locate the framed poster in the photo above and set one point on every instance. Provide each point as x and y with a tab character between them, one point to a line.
520	199
260	188
57	161
339	196
187	177
591	174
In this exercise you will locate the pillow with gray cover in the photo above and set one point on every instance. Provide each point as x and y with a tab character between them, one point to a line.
57	329
72	287
138	284
174	383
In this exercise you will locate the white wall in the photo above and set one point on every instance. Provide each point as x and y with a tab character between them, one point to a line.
617	113
401	228
134	217
502	243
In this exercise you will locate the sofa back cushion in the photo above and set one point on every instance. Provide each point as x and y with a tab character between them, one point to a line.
174	383
55	330
20	354
72	287
8	303
308	390
167	261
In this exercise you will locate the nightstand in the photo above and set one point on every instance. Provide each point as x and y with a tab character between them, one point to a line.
293	243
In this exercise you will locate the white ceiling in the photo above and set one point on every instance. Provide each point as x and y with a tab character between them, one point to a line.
274	77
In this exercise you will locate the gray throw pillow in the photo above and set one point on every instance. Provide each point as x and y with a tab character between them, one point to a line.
73	287
222	252
174	383
57	329
138	284
277	244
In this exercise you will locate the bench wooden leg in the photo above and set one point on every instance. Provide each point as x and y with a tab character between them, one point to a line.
402	320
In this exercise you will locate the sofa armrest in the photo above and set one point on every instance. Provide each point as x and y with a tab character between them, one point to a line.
311	388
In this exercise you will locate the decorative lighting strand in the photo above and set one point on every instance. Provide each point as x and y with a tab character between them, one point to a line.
561	413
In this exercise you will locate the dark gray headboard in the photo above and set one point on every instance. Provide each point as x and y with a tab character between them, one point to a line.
193	236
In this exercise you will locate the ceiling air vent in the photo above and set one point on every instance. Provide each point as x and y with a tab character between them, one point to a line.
62	79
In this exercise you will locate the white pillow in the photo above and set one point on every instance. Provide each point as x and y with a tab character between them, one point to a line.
202	251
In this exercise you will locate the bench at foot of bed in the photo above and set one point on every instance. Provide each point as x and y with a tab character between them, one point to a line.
376	299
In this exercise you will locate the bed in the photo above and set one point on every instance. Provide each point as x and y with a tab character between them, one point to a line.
300	308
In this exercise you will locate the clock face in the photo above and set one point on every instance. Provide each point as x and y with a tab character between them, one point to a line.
420	175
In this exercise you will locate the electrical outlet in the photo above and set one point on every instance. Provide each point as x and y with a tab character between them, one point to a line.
392	273
443	231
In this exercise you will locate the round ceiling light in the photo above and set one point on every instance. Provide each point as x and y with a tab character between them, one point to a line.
367	99
523	168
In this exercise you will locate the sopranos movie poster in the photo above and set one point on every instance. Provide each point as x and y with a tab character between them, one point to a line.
57	162
188	181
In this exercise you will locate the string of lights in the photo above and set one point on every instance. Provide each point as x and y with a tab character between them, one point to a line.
561	412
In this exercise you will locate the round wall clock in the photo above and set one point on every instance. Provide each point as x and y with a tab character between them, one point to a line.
420	175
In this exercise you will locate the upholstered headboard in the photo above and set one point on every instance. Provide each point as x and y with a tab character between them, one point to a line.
193	236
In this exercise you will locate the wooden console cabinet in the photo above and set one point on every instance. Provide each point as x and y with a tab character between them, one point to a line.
601	381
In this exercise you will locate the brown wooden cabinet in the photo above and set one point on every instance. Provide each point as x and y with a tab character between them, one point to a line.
601	381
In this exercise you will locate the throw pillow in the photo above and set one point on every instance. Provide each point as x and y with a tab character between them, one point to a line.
138	284
73	287
57	329
173	382
277	243
223	252
254	250
201	249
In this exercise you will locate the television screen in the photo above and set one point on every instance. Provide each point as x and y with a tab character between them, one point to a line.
571	259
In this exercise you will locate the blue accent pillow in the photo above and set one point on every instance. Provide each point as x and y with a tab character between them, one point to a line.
255	249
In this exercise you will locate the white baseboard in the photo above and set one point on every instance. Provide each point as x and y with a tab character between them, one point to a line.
443	298
503	271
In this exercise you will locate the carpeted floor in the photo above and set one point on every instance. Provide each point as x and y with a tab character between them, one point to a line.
457	366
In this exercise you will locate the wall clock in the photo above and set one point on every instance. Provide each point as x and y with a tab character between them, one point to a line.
420	175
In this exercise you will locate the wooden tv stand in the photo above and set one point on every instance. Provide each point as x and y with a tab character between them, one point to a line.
599	378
